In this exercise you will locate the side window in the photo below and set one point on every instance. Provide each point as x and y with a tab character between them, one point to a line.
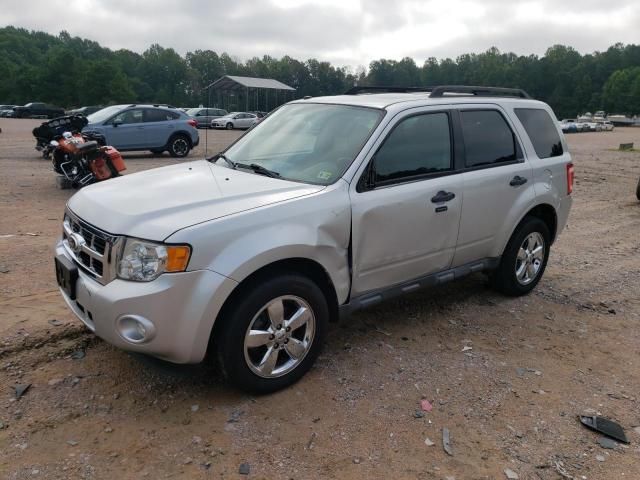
541	130
487	138
418	145
129	116
158	115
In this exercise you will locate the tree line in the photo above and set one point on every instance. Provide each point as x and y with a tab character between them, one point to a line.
71	71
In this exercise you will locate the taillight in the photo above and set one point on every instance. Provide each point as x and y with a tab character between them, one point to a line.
570	176
192	122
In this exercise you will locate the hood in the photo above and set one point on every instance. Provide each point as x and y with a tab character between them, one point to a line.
155	203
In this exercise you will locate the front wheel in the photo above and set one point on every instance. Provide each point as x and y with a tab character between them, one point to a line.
524	259
229	126
179	146
272	335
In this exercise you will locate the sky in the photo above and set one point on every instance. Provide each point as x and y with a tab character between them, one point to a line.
348	33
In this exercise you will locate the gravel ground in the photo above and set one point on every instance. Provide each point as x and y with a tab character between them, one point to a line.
507	377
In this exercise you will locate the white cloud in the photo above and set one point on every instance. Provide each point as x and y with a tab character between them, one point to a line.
345	32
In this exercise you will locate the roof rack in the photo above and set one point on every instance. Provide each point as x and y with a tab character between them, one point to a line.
370	89
439	91
152	104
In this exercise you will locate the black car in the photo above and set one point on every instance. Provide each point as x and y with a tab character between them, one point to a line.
86	111
38	109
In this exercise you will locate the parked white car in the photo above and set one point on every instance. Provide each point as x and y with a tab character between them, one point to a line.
329	205
235	120
606	126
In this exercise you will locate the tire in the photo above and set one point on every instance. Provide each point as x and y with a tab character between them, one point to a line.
638	190
248	368
530	233
229	126
179	146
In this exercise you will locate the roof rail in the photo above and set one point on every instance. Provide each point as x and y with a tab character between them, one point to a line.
441	90
153	105
370	89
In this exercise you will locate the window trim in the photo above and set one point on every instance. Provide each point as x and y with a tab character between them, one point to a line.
363	182
520	152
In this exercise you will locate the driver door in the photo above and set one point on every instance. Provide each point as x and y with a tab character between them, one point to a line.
126	130
406	207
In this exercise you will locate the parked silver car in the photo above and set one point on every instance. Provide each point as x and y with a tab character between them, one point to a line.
204	116
235	120
328	206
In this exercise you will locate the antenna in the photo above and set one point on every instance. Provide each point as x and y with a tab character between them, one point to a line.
206	132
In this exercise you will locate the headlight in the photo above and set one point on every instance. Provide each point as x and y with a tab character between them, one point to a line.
143	261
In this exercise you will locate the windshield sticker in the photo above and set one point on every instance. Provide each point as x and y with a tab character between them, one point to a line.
324	175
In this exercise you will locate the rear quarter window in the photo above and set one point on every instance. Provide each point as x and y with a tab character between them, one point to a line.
541	130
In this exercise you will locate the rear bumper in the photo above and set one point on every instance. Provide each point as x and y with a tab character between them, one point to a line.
178	311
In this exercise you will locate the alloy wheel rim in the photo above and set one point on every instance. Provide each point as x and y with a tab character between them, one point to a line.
180	146
530	258
279	336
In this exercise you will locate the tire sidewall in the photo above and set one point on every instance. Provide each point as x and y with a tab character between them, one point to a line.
229	126
505	277
230	337
172	149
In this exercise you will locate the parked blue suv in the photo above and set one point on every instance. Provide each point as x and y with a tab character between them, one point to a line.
157	128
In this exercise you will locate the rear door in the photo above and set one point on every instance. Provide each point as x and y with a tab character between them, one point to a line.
406	205
498	182
159	125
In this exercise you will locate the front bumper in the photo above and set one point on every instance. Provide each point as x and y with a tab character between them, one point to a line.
181	307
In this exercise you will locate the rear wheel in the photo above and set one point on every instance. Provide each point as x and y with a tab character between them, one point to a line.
272	336
638	190
524	259
179	146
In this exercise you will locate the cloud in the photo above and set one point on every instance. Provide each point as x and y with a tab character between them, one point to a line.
341	31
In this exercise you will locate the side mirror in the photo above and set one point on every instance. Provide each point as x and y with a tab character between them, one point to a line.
199	115
115	123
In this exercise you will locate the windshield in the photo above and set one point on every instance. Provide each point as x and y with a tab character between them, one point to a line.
105	113
193	111
311	143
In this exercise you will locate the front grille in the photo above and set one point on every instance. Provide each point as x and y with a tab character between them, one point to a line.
90	247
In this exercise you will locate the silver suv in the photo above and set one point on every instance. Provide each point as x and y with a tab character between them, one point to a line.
329	205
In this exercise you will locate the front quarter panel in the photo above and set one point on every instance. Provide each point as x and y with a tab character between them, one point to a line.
314	227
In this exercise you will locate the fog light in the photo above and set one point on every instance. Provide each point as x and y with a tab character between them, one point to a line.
135	329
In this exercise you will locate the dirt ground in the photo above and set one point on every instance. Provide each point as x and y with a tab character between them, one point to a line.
510	401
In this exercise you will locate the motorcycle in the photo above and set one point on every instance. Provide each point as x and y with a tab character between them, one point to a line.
52	129
79	159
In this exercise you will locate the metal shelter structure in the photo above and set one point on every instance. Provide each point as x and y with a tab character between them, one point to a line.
250	93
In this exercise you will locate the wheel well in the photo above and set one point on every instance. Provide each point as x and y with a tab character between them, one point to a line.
301	266
547	214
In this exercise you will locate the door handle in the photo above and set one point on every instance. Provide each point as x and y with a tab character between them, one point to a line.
443	196
517	181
